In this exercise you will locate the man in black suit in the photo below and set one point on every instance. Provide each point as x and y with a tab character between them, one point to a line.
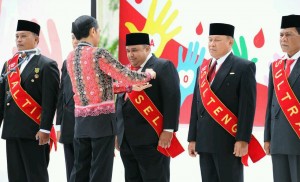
137	140
65	118
282	127
28	96
232	81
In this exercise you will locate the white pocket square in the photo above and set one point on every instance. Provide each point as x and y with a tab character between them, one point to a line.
231	73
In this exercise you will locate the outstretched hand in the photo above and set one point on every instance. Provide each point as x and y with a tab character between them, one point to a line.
140	87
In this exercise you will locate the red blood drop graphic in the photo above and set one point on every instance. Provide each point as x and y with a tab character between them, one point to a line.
138	1
259	39
199	29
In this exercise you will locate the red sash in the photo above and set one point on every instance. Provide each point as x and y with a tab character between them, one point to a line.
23	100
223	116
148	110
286	98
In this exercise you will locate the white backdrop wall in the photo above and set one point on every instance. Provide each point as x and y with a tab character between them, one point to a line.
249	17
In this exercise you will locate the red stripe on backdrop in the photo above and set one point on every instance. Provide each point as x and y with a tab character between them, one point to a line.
0	6
261	104
127	13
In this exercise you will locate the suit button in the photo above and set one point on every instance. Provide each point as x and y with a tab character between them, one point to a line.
7	92
201	116
8	104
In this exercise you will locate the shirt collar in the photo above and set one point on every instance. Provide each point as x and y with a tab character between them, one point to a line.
295	56
147	59
28	57
221	59
84	43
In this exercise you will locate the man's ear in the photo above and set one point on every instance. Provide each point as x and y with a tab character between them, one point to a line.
231	41
92	31
148	48
37	39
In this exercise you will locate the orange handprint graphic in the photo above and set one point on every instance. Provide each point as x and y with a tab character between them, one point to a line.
157	28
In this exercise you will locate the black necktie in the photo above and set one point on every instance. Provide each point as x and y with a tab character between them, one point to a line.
20	61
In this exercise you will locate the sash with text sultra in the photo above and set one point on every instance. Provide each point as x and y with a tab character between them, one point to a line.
286	98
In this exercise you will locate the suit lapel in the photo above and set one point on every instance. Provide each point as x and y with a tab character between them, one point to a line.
295	73
29	68
149	63
222	72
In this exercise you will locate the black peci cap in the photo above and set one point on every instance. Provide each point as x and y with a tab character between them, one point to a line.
137	39
221	29
24	25
290	21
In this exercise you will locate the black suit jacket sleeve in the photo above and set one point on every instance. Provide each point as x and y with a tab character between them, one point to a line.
267	133
49	94
170	95
247	100
60	102
192	135
2	95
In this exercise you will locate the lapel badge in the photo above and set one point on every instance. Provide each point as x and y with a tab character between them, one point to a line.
36	70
